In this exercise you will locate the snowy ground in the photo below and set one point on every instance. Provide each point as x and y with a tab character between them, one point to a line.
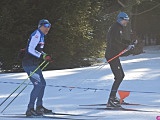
142	79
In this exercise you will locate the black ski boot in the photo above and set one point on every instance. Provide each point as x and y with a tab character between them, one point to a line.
116	99
32	112
43	110
113	102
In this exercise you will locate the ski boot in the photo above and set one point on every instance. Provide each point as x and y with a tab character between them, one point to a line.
114	102
43	110
32	112
118	100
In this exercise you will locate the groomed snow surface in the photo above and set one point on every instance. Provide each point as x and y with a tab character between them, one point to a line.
67	89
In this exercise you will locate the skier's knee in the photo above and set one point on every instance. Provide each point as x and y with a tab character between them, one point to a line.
119	77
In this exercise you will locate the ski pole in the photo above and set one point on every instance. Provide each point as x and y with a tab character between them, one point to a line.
121	53
23	82
21	91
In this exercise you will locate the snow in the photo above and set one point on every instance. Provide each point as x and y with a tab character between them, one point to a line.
142	79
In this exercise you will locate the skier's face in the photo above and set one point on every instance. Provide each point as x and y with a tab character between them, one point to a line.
124	22
45	28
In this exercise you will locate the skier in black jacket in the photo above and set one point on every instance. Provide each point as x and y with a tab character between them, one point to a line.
115	44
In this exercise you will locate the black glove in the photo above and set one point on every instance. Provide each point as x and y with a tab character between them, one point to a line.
47	57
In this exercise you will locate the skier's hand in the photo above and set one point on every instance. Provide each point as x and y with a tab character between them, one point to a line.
47	58
130	47
135	42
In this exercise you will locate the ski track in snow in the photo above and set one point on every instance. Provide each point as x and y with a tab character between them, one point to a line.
142	78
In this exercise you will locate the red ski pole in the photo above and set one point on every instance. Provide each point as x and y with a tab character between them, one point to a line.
121	53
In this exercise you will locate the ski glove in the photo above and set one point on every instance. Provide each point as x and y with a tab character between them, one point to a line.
47	58
135	42
130	47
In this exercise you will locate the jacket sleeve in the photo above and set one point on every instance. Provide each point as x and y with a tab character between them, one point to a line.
33	44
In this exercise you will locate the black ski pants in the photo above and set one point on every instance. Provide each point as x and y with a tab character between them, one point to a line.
117	70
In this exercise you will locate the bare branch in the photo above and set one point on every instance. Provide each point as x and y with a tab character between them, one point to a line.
147	10
121	3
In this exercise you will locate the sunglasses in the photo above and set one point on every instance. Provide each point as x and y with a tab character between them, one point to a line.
47	25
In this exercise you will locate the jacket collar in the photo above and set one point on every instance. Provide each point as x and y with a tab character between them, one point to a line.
41	32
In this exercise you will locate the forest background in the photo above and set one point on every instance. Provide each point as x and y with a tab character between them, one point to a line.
79	27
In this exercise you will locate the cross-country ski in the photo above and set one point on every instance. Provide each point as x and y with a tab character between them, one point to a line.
41	117
120	109
123	104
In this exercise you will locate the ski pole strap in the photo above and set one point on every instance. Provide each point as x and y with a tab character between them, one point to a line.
121	53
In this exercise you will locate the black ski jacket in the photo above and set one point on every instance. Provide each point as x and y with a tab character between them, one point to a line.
115	41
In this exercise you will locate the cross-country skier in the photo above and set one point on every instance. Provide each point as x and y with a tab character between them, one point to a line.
33	56
115	44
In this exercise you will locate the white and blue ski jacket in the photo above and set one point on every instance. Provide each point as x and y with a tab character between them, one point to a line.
34	49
